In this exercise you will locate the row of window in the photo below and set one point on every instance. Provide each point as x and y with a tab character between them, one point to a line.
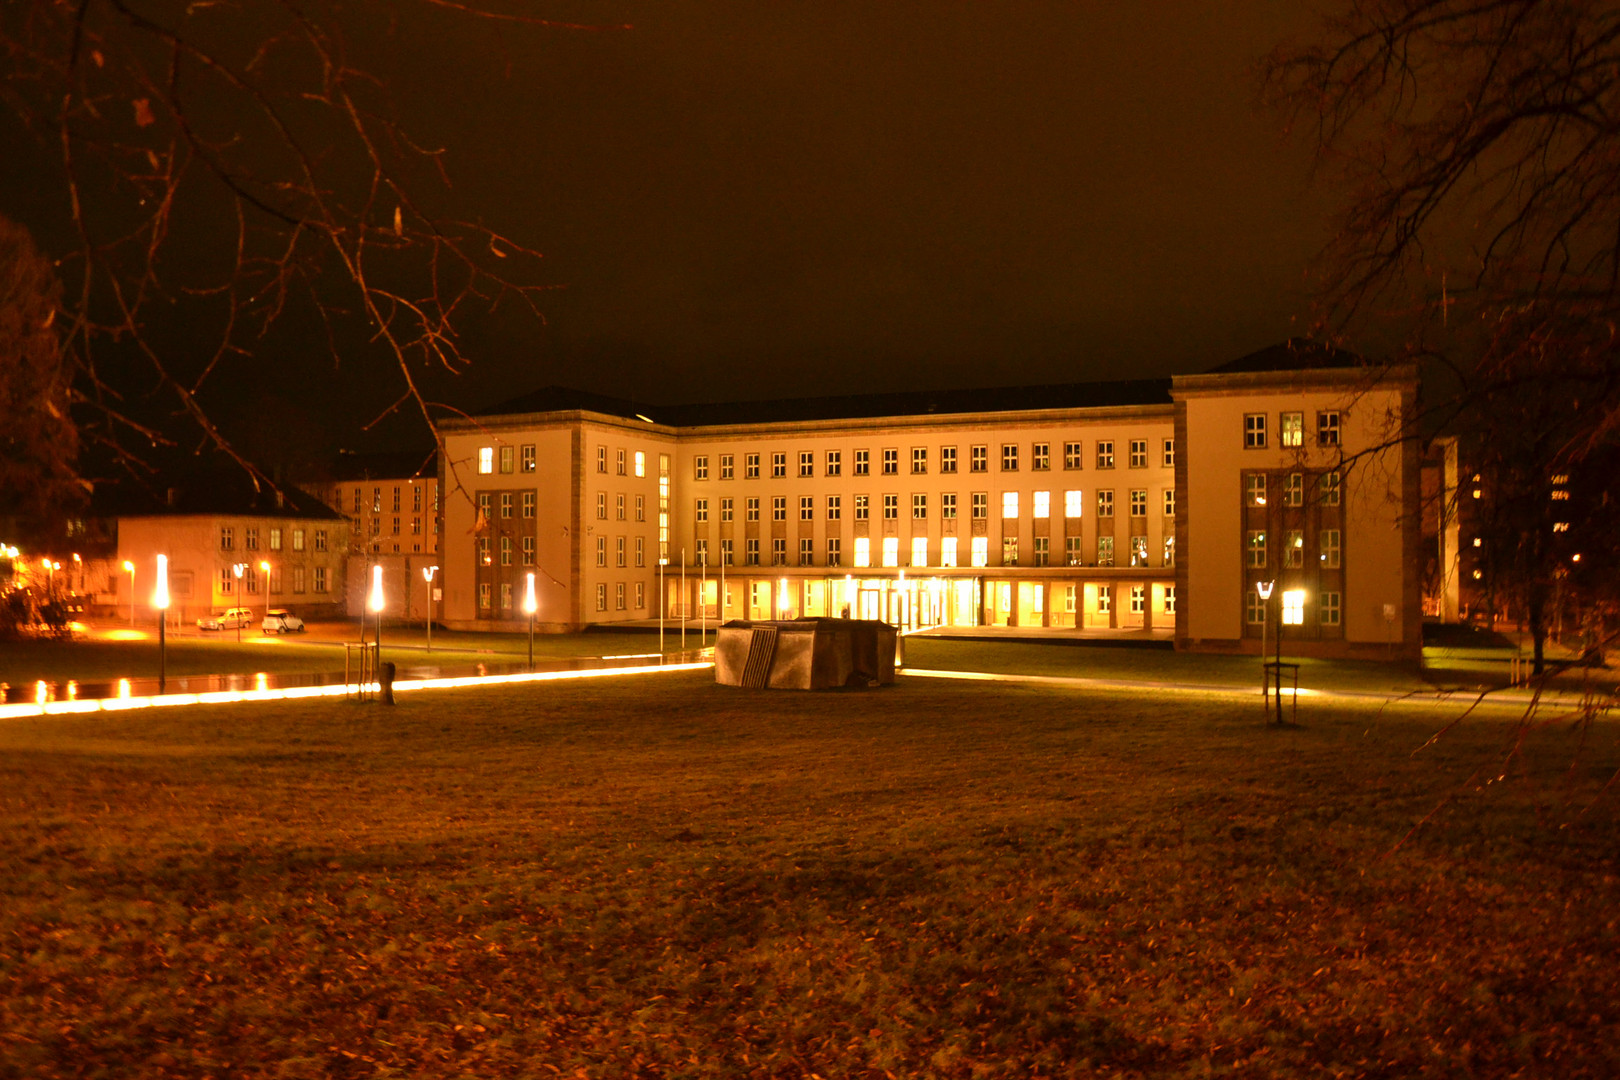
376	526
1291	429
250	580
1293	549
1040	506
1328	609
377	499
1137	598
1040	459
1328	489
511	499
250	538
521	459
978	552
486	596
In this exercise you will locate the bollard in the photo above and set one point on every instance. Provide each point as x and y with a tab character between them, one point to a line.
385	680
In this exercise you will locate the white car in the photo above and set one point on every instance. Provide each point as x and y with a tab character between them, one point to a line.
281	621
234	619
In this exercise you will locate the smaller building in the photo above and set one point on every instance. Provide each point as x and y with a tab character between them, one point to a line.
227	546
391	502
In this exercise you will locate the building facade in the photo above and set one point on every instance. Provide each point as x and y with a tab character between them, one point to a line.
1093	506
392	505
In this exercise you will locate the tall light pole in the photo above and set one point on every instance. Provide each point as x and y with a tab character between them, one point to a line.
239	569
427	576
1263	588
377	606
130	568
264	568
530	607
160	601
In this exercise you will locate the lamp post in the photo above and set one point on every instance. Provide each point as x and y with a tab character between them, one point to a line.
1264	589
376	604
427	576
130	568
239	569
264	568
160	601
530	607
1291	606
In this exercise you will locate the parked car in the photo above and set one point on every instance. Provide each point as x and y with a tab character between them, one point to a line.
234	619
281	621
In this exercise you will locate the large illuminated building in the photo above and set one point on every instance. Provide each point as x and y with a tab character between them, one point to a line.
1152	507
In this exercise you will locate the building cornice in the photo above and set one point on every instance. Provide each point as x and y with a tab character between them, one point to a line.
1385	376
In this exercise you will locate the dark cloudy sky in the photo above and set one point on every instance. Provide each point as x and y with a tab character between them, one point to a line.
744	200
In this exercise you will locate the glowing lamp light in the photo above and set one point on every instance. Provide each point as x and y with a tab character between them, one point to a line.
160	595
429	571
530	605
1264	589
376	601
1293	607
129	567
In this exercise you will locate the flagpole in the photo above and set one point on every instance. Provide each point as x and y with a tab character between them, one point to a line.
683	599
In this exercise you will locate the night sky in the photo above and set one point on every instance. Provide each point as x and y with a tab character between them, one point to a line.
749	200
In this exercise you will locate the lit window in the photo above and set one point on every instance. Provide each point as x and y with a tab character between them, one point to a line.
1330	549
1009	551
507	455
1254	489
980	551
1105	453
1327	428
1074	503
527	453
1169	551
1293	549
1138	599
1293	607
947	551
1043	504
1069	597
641	463
1139	551
1257	548
919	551
1009	504
1293	429
863	551
275	539
1105	599
1105	551
891	551
298	539
486	459
1105	503
1169	599
1254	431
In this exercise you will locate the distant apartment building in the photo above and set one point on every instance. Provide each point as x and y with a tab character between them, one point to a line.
1155	504
391	502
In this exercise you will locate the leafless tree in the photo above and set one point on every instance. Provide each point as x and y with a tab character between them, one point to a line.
240	160
1477	143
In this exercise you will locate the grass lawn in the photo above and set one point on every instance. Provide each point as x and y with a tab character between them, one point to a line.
660	877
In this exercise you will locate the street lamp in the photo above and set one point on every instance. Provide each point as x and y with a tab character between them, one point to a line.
130	568
530	607
160	601
376	603
1264	589
264	568
239	569
427	576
